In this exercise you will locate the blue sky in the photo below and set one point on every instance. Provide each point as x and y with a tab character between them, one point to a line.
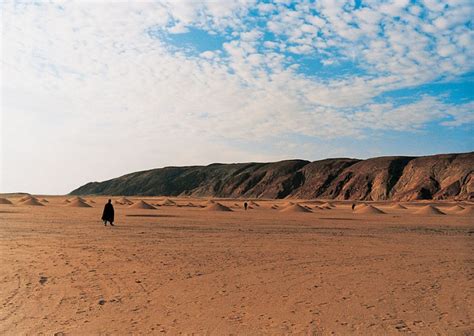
94	90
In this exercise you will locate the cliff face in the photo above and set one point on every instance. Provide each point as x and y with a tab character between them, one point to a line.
447	176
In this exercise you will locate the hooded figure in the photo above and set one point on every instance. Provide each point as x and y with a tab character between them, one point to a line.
108	214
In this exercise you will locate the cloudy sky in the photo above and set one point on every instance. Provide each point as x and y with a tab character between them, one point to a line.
93	90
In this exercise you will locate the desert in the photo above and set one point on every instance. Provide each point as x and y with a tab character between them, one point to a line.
206	266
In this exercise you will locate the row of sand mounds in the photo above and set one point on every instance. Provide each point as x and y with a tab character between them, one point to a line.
398	206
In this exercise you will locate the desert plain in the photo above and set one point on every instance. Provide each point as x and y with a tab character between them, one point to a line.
187	266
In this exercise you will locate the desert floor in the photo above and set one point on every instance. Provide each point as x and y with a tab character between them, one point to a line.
182	270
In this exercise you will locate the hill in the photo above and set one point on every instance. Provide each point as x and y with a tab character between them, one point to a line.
445	176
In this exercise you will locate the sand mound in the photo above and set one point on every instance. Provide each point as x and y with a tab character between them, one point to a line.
124	200
429	210
32	201
44	200
5	201
66	201
295	208
287	204
252	203
91	201
189	204
209	202
78	203
369	210
328	205
398	206
168	202
217	207
468	211
25	198
455	208
141	205
77	198
274	207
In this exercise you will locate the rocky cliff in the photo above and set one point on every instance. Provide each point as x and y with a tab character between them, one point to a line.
446	176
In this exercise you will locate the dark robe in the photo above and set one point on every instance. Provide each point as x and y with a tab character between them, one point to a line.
108	214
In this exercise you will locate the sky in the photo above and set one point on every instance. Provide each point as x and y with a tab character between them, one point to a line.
92	90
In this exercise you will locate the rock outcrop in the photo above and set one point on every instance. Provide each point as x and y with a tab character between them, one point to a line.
446	176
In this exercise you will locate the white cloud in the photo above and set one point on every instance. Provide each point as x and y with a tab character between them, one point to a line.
99	81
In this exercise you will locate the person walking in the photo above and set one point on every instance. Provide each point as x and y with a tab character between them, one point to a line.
245	205
108	214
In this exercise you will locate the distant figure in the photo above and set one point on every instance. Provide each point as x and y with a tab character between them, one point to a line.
108	214
245	206
353	206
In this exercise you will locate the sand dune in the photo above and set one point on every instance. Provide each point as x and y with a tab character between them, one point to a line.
32	201
217	207
398	206
369	210
78	203
295	208
25	198
254	204
429	210
168	202
124	200
44	200
5	201
455	208
141	205
327	205
468	211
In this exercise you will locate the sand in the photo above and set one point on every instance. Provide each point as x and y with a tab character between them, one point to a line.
124	200
369	210
327	205
455	208
32	201
266	272
5	201
429	210
168	202
141	205
295	208
468	211
398	206
78	203
217	207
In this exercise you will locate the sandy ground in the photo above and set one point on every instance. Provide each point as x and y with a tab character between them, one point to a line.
182	270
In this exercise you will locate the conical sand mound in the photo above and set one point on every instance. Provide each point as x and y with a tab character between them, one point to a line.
274	207
44	200
295	208
91	201
468	211
141	205
32	201
25	198
78	203
429	210
455	208
168	202
252	203
217	207
124	200
209	202
77	198
66	201
398	206
360	206
287	204
369	210
328	204
5	201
